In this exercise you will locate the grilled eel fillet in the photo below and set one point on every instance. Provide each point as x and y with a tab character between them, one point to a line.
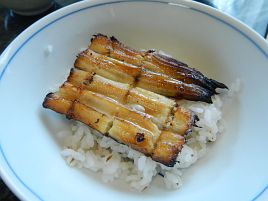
158	73
106	106
109	78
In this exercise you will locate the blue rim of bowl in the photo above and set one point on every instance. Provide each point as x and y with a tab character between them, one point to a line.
98	5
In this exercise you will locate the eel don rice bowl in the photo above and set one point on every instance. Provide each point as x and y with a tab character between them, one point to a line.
136	115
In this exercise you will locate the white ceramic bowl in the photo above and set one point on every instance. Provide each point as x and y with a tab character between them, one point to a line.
236	166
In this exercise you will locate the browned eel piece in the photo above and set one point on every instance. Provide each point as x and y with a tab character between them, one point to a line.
110	79
163	111
190	83
140	77
119	121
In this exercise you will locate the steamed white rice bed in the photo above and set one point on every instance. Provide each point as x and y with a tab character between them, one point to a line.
86	148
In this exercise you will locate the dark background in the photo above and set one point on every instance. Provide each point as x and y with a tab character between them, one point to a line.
254	13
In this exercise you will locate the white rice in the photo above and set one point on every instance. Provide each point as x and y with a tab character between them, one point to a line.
86	148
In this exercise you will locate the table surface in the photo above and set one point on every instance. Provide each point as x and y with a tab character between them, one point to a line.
252	13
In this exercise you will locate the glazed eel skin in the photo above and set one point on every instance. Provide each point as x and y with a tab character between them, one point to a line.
109	81
157	70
